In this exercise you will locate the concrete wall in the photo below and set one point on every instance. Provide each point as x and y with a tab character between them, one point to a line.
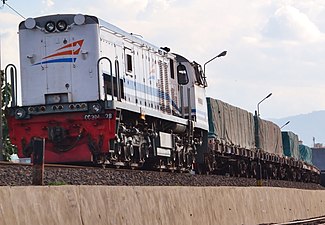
97	205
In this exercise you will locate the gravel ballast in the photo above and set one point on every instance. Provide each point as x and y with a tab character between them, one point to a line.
19	175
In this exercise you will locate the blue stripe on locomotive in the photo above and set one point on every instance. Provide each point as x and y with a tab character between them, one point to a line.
130	84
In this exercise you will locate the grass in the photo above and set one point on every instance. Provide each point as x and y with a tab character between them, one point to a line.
57	183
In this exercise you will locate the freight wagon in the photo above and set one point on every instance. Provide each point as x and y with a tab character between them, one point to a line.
243	144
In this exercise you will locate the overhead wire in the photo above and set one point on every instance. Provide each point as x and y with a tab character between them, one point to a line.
4	3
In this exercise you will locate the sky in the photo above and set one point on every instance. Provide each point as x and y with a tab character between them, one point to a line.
273	46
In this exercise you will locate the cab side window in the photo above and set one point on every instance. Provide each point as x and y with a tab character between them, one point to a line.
129	67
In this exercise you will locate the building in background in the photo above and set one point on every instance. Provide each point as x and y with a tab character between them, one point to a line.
318	160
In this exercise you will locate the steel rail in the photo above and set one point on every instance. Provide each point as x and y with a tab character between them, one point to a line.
310	221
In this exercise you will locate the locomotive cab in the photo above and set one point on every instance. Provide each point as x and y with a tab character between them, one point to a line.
193	91
182	74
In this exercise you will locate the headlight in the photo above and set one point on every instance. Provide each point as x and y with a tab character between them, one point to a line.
30	23
50	26
61	25
31	109
96	108
20	113
43	108
79	19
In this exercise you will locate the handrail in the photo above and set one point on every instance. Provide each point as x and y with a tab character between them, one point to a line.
117	74
111	73
13	81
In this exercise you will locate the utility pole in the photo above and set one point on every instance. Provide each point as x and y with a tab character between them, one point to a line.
259	172
38	161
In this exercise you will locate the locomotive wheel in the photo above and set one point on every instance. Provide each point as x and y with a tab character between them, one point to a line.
307	178
140	149
119	149
274	172
184	157
269	171
178	160
208	168
231	170
174	156
294	175
237	168
189	159
182	161
126	153
144	152
131	150
253	169
242	167
299	176
265	174
171	162
185	162
281	173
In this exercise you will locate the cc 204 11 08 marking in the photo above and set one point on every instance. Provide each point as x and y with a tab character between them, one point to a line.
107	116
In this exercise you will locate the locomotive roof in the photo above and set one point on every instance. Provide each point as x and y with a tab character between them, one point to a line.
69	18
127	36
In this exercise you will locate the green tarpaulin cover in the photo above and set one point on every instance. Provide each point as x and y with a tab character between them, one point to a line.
230	125
305	153
290	143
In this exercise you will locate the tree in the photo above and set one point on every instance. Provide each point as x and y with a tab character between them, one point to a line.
7	148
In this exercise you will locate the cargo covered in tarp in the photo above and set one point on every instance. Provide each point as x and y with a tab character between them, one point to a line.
230	125
269	137
305	154
290	143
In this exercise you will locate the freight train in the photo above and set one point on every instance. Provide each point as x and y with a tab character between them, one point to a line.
98	94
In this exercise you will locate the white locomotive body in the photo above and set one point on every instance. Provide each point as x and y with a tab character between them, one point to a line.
85	69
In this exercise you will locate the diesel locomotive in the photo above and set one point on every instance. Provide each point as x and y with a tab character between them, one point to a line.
98	94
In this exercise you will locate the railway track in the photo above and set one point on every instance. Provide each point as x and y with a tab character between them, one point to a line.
310	221
66	166
17	174
3	163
